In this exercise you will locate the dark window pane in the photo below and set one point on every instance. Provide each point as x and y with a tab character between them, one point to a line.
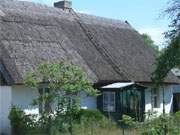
109	101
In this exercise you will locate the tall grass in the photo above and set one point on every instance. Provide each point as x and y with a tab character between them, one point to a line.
102	131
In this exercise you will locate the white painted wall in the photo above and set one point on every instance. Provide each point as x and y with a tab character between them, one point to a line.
23	97
168	96
5	106
88	102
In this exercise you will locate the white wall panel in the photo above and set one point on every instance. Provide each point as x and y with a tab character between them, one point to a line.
5	107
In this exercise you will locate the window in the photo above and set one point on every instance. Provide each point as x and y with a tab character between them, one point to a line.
44	106
109	101
155	98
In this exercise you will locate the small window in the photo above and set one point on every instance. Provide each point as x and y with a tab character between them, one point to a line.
109	101
44	106
155	98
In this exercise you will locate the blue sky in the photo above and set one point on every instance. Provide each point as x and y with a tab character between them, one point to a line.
143	15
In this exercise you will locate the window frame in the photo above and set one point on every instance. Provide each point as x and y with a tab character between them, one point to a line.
44	107
108	102
155	98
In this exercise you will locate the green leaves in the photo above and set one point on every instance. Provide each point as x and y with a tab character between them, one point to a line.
31	80
148	40
168	60
171	56
127	121
61	76
65	82
173	13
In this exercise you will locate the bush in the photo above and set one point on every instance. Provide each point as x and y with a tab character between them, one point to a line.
92	117
162	125
23	124
156	126
96	118
83	122
17	117
89	122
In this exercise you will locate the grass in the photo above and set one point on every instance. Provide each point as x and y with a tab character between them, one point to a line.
98	131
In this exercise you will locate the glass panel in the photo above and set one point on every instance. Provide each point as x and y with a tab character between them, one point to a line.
109	101
155	98
44	105
105	97
41	104
132	102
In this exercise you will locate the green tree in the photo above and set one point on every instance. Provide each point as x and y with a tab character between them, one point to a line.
170	58
65	82
173	13
148	40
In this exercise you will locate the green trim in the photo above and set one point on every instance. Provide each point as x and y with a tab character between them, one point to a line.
129	100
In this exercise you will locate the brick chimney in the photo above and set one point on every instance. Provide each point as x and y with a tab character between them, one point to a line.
66	5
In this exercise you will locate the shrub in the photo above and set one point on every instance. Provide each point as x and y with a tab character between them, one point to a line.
96	118
90	116
127	122
20	122
23	124
16	117
155	126
162	125
84	121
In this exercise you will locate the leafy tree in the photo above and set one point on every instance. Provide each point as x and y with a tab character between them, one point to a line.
65	82
148	40
173	13
170	58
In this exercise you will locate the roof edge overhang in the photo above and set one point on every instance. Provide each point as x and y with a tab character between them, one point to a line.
106	82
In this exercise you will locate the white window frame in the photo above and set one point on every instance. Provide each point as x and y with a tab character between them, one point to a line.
107	104
155	94
42	106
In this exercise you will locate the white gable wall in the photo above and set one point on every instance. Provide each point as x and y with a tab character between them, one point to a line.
168	98
5	107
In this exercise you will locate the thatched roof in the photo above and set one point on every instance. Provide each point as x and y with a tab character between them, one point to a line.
176	72
32	33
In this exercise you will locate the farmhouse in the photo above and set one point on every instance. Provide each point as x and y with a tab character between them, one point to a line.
111	52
